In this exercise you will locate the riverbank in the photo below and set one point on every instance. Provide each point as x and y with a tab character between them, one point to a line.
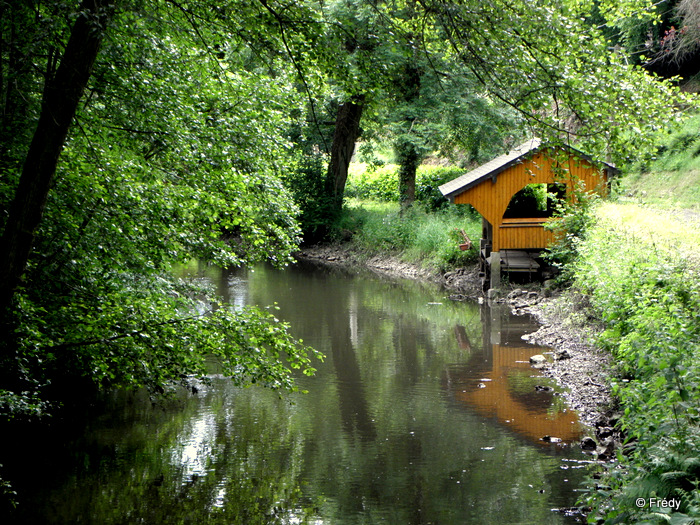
464	283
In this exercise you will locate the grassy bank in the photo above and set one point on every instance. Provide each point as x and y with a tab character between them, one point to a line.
430	238
640	270
428	233
671	178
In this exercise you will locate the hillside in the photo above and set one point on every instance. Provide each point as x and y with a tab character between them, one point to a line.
671	179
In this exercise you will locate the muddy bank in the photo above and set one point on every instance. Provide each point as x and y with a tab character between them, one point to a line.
338	255
579	367
464	283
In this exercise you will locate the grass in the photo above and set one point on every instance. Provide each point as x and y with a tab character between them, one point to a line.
671	178
676	233
664	189
429	238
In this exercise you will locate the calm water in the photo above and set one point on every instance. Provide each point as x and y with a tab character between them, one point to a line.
424	412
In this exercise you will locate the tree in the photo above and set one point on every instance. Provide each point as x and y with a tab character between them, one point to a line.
349	67
559	72
435	104
345	135
62	92
172	153
550	64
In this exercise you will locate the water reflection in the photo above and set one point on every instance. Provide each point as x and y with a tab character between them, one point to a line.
394	429
499	382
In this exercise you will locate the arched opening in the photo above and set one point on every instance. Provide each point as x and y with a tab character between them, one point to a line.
535	201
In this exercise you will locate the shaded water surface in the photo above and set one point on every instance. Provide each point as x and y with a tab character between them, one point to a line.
424	412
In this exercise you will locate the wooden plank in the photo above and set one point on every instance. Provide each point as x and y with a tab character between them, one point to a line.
514	223
518	261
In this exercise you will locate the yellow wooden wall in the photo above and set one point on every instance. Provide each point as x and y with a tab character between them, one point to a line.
491	199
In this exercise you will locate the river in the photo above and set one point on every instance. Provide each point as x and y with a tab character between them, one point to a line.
425	411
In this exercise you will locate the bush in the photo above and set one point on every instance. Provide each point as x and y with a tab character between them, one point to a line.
382	184
307	183
428	181
373	183
570	225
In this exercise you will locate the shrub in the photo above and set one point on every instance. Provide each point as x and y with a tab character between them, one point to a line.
428	181
306	181
382	184
570	225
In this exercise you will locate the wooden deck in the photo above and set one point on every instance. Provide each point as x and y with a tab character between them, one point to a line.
519	261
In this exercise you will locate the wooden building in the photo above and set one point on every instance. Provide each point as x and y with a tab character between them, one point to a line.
513	193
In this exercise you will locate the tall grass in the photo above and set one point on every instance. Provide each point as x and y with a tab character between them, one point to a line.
430	238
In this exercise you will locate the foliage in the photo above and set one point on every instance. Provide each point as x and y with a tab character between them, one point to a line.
306	180
571	221
556	69
429	180
176	153
642	282
382	184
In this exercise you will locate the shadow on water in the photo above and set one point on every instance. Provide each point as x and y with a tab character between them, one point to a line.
424	412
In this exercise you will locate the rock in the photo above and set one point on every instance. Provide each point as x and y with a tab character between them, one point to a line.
550	439
588	444
562	354
605	432
515	294
541	388
538	359
605	452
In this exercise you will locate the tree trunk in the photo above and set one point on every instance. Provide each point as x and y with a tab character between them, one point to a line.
347	131
408	159
405	150
62	94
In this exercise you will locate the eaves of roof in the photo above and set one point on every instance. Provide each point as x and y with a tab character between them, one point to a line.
491	169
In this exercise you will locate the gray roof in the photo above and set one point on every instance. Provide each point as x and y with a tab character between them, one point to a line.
492	168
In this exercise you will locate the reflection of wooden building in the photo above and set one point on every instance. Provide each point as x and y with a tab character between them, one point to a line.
497	382
513	232
507	396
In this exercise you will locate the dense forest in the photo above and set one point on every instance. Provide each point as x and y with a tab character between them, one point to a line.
140	134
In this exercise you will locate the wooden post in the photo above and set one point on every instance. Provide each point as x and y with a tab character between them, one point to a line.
495	270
